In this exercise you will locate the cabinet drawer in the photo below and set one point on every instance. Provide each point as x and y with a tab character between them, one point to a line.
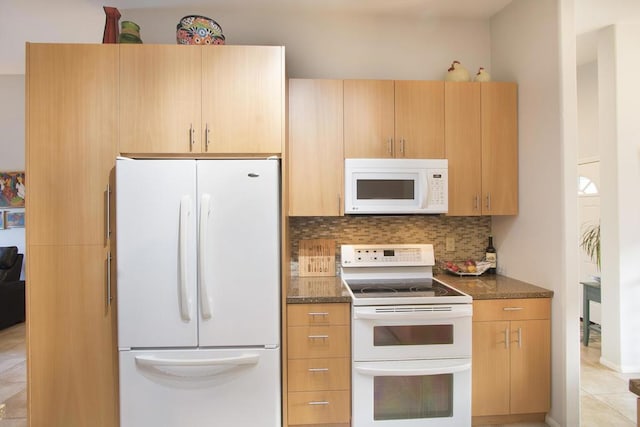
318	314
319	374
512	309
319	407
318	341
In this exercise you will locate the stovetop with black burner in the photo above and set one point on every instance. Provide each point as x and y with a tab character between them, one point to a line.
399	274
388	288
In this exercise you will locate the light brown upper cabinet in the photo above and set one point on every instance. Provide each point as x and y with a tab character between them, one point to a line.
499	107
481	139
201	99
386	118
243	99
315	152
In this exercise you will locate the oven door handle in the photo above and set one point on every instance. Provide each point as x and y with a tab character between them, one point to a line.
422	315
400	372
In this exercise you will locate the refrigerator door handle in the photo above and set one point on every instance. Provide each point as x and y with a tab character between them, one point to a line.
187	368
185	302
205	299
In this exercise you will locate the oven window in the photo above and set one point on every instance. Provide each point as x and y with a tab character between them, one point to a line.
385	189
403	398
412	335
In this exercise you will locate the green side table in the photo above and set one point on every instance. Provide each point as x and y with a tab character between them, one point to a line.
590	292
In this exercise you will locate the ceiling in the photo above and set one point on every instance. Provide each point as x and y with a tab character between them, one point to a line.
472	9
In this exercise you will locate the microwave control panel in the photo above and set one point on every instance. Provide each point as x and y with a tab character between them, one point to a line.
438	188
387	255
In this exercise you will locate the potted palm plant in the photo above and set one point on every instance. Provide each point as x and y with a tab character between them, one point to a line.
590	242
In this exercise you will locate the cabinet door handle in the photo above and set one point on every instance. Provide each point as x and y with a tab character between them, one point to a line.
318	313
318	337
339	203
512	308
519	337
390	146
489	201
206	137
108	213
321	402
402	146
192	136
318	369
109	296
476	202
507	338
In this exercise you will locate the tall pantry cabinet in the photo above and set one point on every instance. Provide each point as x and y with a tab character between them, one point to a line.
71	145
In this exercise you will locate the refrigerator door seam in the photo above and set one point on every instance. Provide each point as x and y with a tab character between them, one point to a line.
205	299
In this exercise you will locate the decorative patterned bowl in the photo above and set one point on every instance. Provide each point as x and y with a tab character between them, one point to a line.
196	29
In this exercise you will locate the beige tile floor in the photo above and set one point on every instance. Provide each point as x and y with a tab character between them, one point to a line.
604	395
13	377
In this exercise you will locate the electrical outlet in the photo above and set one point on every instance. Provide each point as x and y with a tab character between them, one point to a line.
450	244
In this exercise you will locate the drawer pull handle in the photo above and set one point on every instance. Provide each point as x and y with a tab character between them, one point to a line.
318	313
318	337
318	369
321	402
513	308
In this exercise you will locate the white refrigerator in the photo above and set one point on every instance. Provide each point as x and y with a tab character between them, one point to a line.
198	297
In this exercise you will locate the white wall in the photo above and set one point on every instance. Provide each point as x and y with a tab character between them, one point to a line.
539	245
588	112
12	143
618	63
64	21
341	45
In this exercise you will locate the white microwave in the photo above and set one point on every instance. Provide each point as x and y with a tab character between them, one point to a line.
396	186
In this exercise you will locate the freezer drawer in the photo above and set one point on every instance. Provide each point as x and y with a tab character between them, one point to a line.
197	388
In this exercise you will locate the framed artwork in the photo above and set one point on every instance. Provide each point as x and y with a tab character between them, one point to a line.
14	218
12	189
1	220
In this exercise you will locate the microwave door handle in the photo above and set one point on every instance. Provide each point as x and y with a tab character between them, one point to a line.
424	195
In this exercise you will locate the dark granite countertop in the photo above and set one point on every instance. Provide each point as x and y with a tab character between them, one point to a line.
634	386
493	286
304	290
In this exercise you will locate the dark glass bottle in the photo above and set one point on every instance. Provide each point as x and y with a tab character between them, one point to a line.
491	256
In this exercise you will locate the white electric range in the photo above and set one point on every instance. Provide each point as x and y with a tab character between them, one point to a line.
411	339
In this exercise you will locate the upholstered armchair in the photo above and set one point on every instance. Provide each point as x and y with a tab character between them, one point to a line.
10	264
11	287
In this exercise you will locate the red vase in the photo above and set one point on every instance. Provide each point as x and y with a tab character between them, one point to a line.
110	34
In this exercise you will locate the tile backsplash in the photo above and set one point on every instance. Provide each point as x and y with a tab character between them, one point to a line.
469	233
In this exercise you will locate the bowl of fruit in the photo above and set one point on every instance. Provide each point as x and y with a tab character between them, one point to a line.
466	268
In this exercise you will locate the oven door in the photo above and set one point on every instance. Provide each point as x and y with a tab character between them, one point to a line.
411	332
414	393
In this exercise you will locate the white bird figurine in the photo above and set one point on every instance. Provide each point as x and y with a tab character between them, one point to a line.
482	76
457	73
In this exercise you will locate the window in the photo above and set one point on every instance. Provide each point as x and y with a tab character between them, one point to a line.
586	187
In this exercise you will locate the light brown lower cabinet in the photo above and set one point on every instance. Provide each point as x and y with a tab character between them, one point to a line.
318	365
511	364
